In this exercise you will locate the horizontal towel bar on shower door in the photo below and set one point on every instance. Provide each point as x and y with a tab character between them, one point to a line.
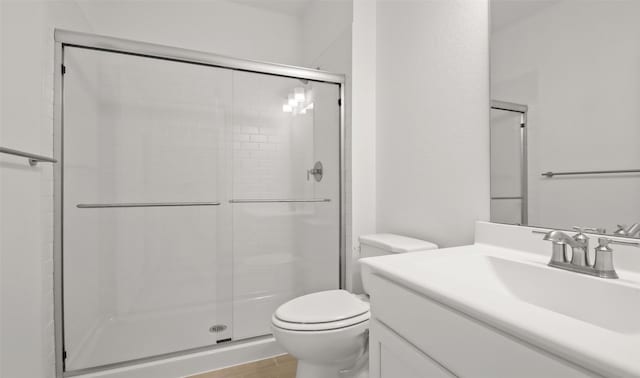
551	174
279	200
138	204
33	158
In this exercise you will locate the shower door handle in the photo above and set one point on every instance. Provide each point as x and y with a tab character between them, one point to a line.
317	171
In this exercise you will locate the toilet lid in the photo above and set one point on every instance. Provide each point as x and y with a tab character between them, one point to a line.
322	307
396	243
359	322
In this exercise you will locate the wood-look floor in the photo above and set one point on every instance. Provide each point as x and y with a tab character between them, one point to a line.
278	367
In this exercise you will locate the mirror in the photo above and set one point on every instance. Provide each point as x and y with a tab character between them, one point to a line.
565	115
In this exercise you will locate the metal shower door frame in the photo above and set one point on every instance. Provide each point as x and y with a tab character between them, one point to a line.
150	50
524	181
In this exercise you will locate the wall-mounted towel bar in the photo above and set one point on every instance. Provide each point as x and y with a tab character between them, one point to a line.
551	174
33	158
279	200
139	204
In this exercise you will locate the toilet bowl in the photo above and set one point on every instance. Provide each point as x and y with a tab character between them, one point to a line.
327	332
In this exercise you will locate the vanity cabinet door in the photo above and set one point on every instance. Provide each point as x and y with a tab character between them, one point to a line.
466	347
391	356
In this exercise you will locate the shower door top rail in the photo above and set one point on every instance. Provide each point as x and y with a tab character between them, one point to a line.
279	200
143	204
509	106
125	46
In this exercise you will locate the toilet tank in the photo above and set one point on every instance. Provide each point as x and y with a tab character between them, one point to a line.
388	244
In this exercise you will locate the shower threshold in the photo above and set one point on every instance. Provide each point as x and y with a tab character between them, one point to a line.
188	362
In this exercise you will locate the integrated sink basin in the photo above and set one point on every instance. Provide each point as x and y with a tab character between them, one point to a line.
605	303
601	302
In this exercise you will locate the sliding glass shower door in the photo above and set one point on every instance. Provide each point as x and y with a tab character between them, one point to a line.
284	216
195	200
146	255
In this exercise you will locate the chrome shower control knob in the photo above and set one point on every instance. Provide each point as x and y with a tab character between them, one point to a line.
317	172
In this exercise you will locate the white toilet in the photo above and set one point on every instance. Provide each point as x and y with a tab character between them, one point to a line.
328	331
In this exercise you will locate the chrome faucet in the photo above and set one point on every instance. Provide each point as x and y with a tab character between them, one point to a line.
602	266
579	246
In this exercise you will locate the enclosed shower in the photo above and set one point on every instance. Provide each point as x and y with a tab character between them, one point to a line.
509	182
196	193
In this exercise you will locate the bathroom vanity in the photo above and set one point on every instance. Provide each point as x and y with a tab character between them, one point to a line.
495	309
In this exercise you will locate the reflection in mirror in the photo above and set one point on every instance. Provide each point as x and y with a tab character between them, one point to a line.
574	65
508	163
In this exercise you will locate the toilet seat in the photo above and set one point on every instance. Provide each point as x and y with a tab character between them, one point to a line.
329	326
322	311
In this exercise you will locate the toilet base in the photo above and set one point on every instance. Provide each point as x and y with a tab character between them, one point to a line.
307	370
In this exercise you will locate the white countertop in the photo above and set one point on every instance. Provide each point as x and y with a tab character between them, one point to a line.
609	351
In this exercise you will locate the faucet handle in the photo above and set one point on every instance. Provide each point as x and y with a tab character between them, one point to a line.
580	236
603	243
597	230
621	231
604	257
633	229
630	231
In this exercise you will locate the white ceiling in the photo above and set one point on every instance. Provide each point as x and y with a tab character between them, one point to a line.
290	7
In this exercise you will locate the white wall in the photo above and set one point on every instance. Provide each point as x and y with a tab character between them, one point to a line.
362	132
324	23
575	64
219	26
432	118
26	228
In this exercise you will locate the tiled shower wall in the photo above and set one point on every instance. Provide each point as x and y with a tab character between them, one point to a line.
257	151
